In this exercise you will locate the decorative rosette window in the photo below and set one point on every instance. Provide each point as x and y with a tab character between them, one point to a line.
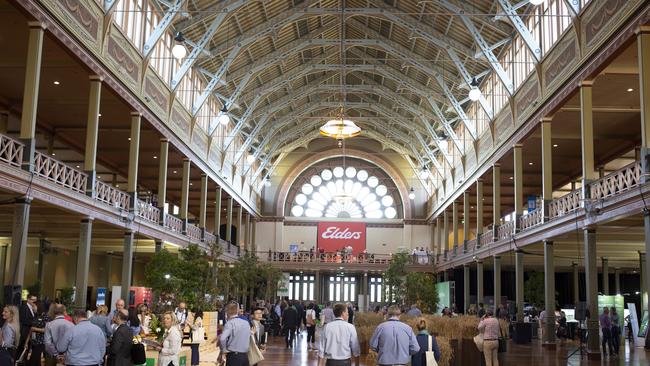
357	189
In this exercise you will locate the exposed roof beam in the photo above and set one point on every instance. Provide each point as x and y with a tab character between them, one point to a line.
521	29
160	28
228	8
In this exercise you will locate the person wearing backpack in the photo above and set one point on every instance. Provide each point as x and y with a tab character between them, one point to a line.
311	326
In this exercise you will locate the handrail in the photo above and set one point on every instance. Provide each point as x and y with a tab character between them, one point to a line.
616	182
210	238
112	196
173	223
487	238
59	173
361	258
11	151
565	204
505	230
533	218
148	212
193	232
471	245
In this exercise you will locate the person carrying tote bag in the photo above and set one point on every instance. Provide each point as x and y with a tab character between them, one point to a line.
429	352
254	354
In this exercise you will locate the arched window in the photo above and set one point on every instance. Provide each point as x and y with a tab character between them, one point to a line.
355	190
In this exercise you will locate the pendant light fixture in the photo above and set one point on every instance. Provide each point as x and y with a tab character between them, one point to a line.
536	2
412	194
474	91
224	118
341	128
267	181
179	51
424	173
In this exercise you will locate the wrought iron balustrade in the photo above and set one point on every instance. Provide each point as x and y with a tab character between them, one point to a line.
173	223
148	212
59	173
111	196
616	182
11	151
565	204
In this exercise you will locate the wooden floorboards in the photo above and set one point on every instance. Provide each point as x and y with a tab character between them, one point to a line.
527	355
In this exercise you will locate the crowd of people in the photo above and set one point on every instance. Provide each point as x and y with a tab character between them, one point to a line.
35	336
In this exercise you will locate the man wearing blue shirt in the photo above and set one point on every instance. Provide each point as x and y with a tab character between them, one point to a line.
394	341
235	339
84	344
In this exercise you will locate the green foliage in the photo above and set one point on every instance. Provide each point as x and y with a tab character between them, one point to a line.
188	275
248	278
394	277
421	290
66	296
534	288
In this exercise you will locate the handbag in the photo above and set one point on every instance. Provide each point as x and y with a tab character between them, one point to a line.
138	354
478	340
429	356
254	353
198	335
503	345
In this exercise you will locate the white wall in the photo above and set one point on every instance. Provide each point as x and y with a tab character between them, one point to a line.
380	240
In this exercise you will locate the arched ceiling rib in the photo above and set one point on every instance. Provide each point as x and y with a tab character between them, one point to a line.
276	64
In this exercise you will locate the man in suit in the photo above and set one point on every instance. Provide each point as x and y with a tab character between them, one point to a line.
290	321
26	313
119	350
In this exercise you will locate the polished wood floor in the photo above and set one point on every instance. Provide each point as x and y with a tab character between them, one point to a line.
528	355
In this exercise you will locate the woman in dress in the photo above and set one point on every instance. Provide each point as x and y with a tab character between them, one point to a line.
171	343
9	335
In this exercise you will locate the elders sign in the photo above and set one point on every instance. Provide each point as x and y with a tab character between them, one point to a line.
334	236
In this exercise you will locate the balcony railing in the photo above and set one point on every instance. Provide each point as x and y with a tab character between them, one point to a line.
533	218
147	212
11	151
362	258
111	196
616	182
210	238
193	232
505	230
173	223
471	245
59	173
565	204
487	238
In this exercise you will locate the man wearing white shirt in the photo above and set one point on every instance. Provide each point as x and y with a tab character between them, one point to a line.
339	343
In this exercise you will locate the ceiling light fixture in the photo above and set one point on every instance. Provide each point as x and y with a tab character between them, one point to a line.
531	163
99	114
424	173
155	157
340	128
267	181
250	158
536	2
474	91
630	90
174	172
412	193
510	178
56	82
224	117
179	51
554	145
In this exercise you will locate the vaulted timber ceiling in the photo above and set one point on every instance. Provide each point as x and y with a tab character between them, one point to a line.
402	67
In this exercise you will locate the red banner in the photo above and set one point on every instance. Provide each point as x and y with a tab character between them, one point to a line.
335	236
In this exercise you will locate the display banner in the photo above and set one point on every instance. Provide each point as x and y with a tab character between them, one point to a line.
336	236
445	292
610	301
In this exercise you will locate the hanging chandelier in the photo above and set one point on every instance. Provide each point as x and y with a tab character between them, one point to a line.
340	128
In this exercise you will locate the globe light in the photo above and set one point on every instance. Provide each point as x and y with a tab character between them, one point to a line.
536	2
179	51
474	91
424	173
224	118
474	94
250	158
267	182
412	194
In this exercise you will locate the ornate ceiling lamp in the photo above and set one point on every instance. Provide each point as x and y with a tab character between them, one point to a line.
341	128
